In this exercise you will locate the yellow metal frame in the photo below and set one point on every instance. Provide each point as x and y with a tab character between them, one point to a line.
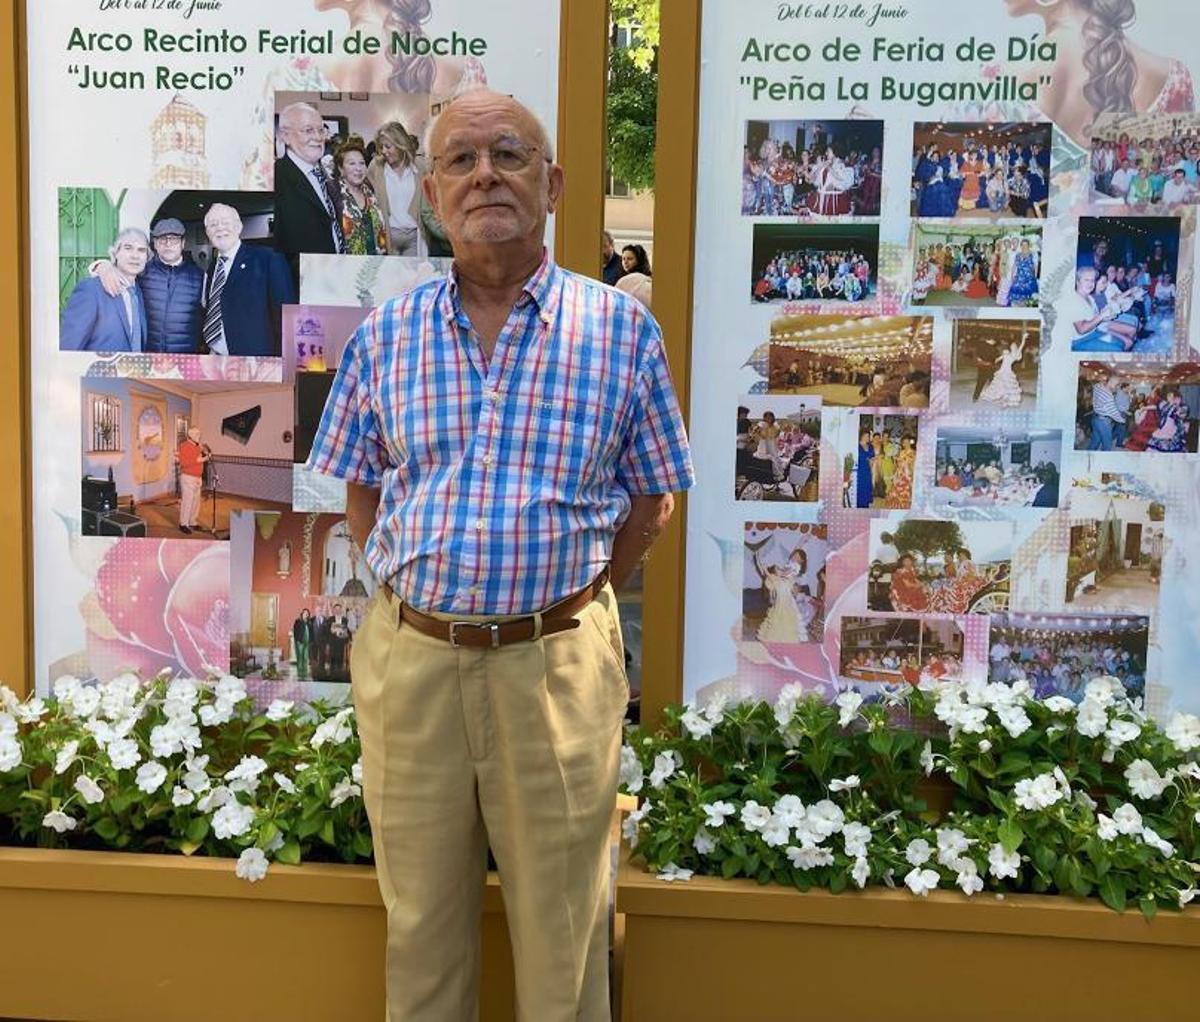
582	80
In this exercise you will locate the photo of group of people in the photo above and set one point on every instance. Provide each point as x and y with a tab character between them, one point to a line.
939	567
1117	544
976	265
878	472
778	448
900	651
170	273
994	363
783	583
814	263
1059	654
812	168
1139	407
1146	161
980	468
873	361
981	171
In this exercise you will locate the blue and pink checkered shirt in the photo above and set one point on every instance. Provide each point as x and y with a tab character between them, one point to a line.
503	482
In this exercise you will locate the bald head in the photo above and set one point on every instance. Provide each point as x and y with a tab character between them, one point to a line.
484	101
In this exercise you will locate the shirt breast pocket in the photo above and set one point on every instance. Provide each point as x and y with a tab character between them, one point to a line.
574	431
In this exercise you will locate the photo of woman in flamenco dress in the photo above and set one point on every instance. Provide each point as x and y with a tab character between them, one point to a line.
1004	389
899	494
784	622
1024	286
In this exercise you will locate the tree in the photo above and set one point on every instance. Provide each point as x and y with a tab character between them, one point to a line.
926	538
633	94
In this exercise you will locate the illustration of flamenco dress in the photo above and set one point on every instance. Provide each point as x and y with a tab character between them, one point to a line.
1006	276
1024	287
832	197
783	622
937	197
1004	389
954	595
899	494
1171	435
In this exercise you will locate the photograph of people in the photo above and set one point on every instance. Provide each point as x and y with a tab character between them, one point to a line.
932	566
363	225
878	362
1139	407
981	170
191	456
1130	264
1059	654
812	168
778	448
1117	542
783	587
878	472
1167	149
396	173
814	263
994	363
976	467
900	650
976	266
308	214
94	320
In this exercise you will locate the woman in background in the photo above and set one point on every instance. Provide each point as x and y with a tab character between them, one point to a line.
302	636
395	175
363	225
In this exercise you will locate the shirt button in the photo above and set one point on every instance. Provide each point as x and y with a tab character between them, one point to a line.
487	460
474	590
493	396
479	525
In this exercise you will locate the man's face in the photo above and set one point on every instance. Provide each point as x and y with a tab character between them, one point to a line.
490	205
169	248
224	228
606	247
304	134
131	255
1085	284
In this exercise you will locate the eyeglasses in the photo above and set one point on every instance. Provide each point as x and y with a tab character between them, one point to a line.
507	155
317	132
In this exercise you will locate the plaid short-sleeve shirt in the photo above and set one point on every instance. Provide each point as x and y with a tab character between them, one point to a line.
503	481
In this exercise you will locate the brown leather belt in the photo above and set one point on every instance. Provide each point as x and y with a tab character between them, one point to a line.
493	634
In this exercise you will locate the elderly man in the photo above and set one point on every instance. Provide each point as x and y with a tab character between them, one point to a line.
1088	327
93	319
245	290
308	215
511	439
191	458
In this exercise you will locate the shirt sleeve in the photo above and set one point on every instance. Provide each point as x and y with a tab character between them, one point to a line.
349	444
655	457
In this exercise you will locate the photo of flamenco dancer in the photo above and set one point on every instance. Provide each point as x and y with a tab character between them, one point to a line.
994	363
967	266
1147	408
878	472
873	362
1122	295
778	448
1058	654
976	467
783	582
928	566
981	171
812	168
900	650
814	262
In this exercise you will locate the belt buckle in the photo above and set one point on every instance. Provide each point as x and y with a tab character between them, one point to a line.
491	626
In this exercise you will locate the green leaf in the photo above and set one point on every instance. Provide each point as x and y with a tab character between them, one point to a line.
1112	892
838	882
107	828
764	875
880	741
1149	907
362	845
1011	835
1045	858
267	833
327	832
197	830
1014	762
730	867
289	854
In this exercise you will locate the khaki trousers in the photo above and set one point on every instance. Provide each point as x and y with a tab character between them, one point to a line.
515	747
189	498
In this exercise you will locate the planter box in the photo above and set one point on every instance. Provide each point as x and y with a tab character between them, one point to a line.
91	936
714	951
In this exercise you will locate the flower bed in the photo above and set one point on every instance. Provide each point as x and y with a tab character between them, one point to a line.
1048	796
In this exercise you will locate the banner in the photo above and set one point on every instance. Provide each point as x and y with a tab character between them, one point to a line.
944	388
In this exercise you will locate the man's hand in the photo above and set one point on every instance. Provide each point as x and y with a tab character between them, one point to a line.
110	278
648	516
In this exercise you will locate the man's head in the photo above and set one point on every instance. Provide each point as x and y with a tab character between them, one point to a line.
1085	280
494	178
130	251
224	227
167	237
194	434
303	131
607	245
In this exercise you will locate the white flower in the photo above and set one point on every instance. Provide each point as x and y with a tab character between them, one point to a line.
921	881
343	791
252	865
715	813
664	767
336	729
1188	769
8	725
1106	829
1121	731
1128	819
183	691
230	689
89	790
790	810
631	776
825	818
219	796
927	758
59	821
123	753
861	871
785	704
754	816
847	784
1091	719
232	820
101	730
1002	864
1184	730
1151	838
284	783
1186	895
918	852
1014	720
809	857
1105	690
66	756
848	703
968	876
84	701
356	770
8	698
952	845
670	873
1084	799
65	687
715	710
629	825
30	712
696	723
181	796
150	776
244	776
280	710
703	842
195	779
118	697
775	832
215	714
1059	704
856	836
1039	793
11	754
164	741
985	746
1144	780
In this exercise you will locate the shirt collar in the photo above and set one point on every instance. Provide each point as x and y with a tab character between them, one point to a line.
303	164
542	288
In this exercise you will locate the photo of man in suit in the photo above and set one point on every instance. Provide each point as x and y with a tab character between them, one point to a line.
308	215
245	289
94	320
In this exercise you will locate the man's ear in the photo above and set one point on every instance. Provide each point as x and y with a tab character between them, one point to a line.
557	183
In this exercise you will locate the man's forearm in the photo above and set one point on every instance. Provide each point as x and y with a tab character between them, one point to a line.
648	516
362	506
